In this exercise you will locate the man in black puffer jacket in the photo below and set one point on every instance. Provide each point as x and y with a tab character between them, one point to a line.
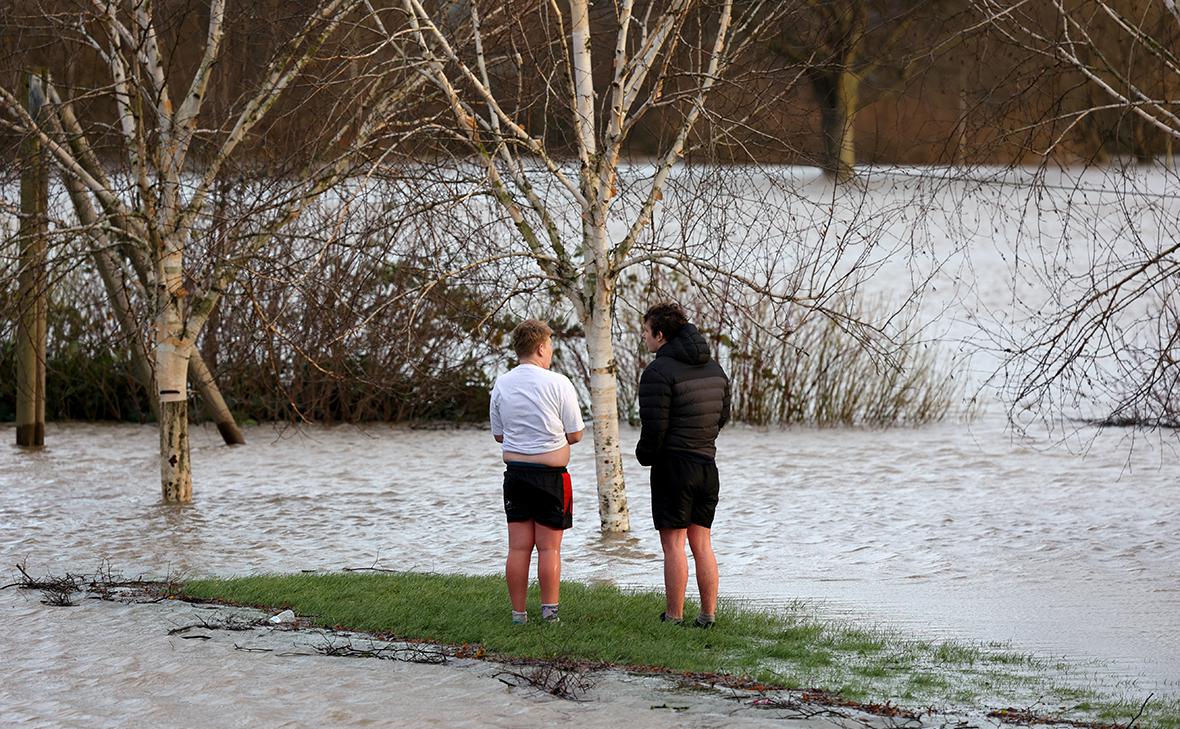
684	401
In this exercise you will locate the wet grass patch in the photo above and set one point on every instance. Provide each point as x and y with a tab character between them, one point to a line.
603	625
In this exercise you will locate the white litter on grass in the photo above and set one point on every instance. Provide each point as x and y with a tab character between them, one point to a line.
286	616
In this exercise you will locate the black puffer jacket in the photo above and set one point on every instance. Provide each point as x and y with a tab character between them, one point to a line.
683	400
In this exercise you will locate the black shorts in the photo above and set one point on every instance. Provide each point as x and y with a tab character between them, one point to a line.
538	493
683	492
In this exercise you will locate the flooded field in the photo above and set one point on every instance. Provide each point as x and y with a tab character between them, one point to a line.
1061	544
957	530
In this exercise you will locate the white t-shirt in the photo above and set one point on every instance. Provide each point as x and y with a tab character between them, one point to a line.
533	409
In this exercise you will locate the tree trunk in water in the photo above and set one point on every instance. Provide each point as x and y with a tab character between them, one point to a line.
176	475
604	408
838	93
215	405
32	324
172	362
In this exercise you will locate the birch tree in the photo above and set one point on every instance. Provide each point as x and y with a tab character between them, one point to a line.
548	103
141	180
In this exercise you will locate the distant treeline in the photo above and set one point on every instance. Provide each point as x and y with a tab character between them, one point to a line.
922	82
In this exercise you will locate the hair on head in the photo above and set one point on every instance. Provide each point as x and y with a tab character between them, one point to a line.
667	317
528	336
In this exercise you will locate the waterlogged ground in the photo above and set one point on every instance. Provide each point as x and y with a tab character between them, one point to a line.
1062	545
956	530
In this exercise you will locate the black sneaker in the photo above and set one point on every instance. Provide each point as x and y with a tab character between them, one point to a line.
703	623
665	619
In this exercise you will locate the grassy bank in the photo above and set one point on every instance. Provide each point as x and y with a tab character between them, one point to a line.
601	624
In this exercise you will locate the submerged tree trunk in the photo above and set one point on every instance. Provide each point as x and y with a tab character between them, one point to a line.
32	324
215	405
176	475
172	362
613	514
837	92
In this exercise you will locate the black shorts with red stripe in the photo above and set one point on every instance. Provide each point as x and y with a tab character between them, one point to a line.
538	493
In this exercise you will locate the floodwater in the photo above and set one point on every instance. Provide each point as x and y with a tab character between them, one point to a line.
959	530
112	665
1062	543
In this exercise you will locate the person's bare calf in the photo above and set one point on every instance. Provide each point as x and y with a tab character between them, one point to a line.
521	539
675	572
700	541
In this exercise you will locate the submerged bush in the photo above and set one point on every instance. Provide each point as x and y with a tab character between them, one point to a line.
850	366
821	373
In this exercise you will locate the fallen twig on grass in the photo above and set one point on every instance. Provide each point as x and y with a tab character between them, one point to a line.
230	622
105	584
1027	716
1141	709
371	569
796	708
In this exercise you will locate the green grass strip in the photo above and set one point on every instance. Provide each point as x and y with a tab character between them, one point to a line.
789	648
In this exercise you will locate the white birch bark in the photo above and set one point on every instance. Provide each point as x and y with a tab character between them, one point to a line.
585	273
613	513
156	140
598	293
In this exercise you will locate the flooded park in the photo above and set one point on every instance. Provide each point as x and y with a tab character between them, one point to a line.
261	264
1059	542
953	530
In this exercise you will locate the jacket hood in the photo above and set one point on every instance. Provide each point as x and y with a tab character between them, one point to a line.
688	346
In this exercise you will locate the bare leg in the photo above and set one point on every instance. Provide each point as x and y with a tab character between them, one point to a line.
516	567
549	563
700	540
675	571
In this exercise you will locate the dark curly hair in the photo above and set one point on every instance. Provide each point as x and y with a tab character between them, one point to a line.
667	317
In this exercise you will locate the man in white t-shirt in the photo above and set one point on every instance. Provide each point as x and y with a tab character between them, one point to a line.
535	415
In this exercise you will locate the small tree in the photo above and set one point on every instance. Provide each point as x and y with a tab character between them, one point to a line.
145	190
556	81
